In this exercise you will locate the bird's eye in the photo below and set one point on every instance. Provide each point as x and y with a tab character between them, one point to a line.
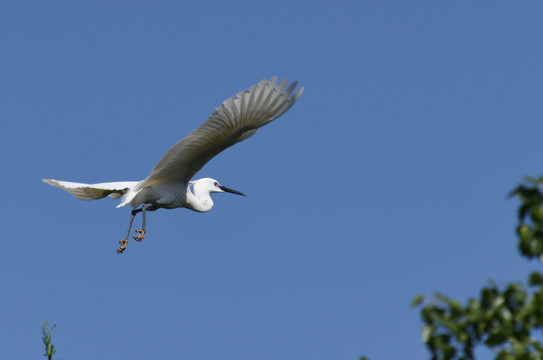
216	184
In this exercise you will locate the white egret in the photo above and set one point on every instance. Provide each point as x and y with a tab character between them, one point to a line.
169	186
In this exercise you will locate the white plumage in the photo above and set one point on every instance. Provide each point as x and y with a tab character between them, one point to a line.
94	191
168	185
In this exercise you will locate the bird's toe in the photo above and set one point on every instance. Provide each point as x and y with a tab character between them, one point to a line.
123	243
140	236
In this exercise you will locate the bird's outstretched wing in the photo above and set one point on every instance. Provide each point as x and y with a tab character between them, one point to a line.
234	120
93	191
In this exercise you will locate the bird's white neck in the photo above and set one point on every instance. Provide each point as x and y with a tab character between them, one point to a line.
200	200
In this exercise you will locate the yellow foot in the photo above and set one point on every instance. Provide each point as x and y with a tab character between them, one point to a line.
140	236
123	243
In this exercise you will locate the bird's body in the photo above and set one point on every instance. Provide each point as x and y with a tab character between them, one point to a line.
169	184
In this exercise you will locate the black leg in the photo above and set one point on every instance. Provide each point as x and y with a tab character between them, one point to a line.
124	241
141	232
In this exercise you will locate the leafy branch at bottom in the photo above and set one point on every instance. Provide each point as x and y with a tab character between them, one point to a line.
47	333
504	320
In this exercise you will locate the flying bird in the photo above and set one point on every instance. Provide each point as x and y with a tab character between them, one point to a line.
169	184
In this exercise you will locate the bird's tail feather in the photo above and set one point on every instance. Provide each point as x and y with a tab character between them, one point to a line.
93	191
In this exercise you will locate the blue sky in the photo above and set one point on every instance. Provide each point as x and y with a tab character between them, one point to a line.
387	179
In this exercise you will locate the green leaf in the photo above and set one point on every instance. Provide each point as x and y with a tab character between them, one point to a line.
496	339
419	299
535	279
427	333
536	213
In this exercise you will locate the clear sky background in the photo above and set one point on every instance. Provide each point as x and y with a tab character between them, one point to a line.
387	179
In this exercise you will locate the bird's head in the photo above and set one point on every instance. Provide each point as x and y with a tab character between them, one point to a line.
208	185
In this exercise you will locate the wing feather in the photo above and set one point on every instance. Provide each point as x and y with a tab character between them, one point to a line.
236	119
93	191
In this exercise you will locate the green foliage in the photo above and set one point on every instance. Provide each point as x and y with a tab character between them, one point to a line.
46	338
530	216
504	320
507	319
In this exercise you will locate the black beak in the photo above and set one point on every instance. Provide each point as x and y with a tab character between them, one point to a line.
225	189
